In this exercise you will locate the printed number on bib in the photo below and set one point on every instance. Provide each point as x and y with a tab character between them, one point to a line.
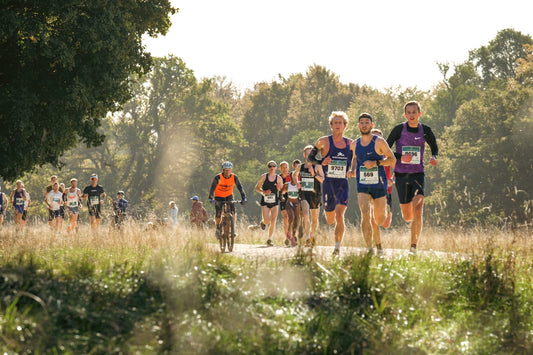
308	184
368	176
19	201
73	204
337	169
94	200
293	194
270	198
413	152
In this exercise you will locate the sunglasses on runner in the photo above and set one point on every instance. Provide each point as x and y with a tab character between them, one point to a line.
272	166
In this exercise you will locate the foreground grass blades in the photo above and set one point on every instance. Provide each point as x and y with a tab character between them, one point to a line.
171	293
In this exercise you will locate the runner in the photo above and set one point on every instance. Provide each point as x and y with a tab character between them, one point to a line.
372	153
268	186
54	201
286	177
222	190
311	177
337	157
390	182
17	198
48	188
119	209
410	138
62	189
95	198
3	205
292	190
26	206
73	198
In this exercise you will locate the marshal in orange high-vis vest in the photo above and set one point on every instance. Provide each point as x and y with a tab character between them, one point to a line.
225	186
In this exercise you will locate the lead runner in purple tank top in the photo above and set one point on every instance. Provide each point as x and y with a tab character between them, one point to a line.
337	158
410	138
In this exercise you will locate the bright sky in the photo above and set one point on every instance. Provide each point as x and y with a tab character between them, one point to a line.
380	43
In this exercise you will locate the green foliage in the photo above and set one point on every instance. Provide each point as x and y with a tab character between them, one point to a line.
81	300
65	64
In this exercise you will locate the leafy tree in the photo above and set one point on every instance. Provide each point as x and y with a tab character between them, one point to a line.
315	96
265	124
497	62
65	64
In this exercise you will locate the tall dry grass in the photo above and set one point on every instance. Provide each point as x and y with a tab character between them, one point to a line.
138	236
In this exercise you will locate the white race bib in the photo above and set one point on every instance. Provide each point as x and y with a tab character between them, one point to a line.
414	152
19	201
368	176
73	204
308	184
337	169
270	198
94	200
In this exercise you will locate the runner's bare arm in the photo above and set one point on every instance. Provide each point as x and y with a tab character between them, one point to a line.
259	185
322	146
319	173
382	148
353	166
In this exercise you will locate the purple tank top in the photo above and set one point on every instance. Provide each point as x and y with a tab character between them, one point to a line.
411	144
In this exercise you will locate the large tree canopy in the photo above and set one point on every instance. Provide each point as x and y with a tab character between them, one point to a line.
65	64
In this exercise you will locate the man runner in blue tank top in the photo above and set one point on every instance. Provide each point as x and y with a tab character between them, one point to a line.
410	138
337	155
372	153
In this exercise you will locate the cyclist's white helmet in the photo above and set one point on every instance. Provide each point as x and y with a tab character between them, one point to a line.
227	165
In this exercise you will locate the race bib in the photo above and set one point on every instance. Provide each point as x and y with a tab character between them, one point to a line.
368	176
94	200
413	152
270	198
293	194
56	200
73	204
337	169
308	184
19	201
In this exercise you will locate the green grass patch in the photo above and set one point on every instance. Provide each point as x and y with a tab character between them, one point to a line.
82	300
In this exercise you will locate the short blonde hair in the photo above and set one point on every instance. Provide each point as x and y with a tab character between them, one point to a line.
339	114
376	130
283	162
73	179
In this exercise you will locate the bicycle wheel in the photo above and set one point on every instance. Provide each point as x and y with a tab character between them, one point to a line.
232	235
223	237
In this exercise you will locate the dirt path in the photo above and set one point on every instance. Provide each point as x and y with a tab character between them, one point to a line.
258	251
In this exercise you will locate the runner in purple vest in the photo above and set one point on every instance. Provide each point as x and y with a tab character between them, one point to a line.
410	138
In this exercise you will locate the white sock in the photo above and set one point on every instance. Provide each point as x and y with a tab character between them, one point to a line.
337	245
308	237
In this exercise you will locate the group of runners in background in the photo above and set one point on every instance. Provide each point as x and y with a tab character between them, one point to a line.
65	202
369	159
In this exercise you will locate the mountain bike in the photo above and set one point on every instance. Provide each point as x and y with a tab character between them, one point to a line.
227	226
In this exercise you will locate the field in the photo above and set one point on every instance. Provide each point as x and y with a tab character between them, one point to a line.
142	291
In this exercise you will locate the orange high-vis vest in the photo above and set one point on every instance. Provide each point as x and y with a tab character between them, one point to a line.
225	186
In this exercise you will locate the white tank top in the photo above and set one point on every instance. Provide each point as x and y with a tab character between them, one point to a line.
292	191
73	198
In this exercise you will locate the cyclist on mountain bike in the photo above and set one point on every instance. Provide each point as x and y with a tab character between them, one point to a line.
222	190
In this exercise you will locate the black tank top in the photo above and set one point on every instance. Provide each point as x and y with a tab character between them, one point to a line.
305	180
272	186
